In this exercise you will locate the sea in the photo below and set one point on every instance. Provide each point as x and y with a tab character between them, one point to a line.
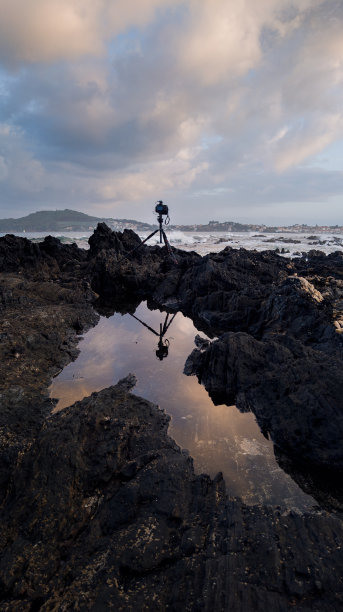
287	244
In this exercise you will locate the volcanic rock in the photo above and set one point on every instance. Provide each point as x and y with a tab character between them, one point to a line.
105	511
279	351
100	508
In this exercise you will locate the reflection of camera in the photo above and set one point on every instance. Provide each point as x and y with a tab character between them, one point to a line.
160	208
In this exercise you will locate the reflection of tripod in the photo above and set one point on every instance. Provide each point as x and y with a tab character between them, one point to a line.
161	209
163	345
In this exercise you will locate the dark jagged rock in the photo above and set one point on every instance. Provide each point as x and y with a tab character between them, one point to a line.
100	508
287	366
116	277
323	484
39	325
50	256
105	239
105	512
201	343
224	290
45	302
277	381
16	253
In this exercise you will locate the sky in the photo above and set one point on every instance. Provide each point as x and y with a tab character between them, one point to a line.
224	109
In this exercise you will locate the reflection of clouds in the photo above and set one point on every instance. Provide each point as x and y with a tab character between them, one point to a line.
251	447
219	438
70	394
182	324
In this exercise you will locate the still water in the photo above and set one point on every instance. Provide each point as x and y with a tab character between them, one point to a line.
219	438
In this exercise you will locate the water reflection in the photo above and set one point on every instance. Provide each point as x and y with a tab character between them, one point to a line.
163	344
219	438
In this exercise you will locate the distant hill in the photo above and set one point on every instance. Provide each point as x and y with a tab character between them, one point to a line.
64	221
72	220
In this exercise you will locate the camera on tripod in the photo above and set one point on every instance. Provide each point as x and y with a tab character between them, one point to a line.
162	211
160	208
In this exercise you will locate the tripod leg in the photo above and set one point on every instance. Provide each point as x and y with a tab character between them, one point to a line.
145	325
171	254
166	327
138	247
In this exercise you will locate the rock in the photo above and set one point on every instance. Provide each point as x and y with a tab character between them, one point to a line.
282	239
105	239
44	259
118	275
41	315
193	363
201	343
127	383
305	287
105	511
100	508
18	253
284	312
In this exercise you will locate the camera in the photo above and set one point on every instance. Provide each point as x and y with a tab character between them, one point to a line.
160	208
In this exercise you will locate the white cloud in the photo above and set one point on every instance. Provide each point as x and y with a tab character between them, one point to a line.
295	147
50	30
221	41
177	173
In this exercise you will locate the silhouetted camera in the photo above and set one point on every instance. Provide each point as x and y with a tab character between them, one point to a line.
160	208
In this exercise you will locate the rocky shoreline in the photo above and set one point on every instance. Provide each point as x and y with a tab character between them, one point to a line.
100	508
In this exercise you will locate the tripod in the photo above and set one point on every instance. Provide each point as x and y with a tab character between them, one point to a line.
160	208
163	345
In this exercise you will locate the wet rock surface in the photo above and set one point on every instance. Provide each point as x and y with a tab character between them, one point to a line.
99	508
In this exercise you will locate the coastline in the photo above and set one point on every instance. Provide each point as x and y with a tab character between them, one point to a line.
100	506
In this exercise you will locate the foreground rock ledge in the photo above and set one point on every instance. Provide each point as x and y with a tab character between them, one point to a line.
105	512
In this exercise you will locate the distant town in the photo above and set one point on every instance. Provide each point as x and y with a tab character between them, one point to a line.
71	220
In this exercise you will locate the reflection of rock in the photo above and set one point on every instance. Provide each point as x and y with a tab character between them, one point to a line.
274	380
127	383
325	485
201	343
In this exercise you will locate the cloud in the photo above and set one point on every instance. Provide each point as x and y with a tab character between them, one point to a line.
177	173
297	145
19	170
51	30
221	41
110	102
